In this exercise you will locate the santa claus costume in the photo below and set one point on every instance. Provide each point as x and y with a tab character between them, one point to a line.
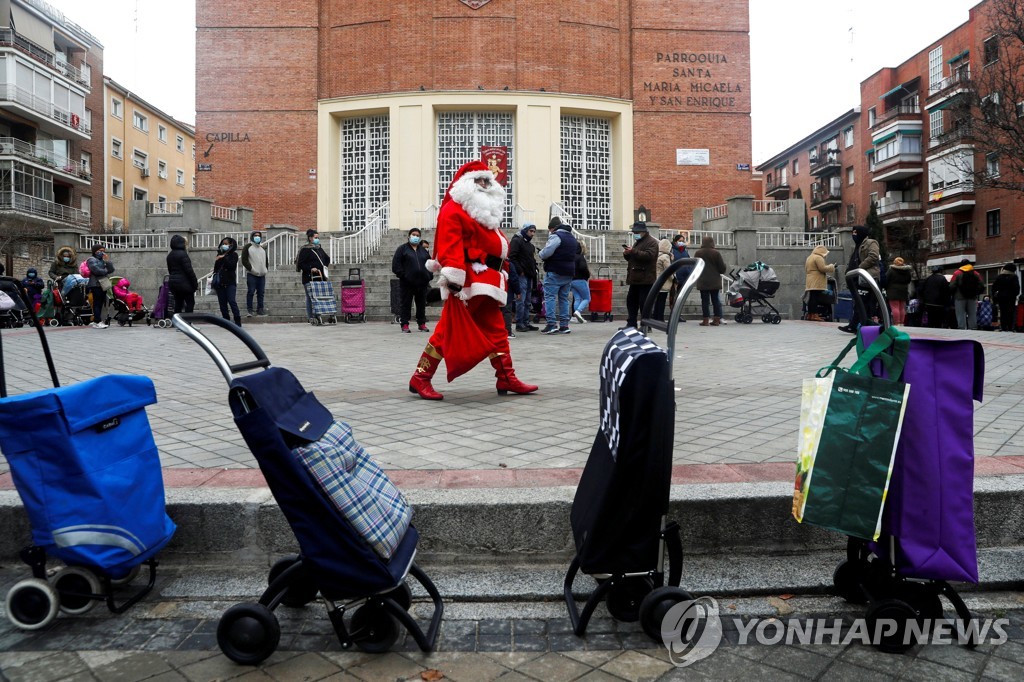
470	254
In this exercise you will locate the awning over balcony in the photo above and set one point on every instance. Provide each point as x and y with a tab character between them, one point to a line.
956	58
906	86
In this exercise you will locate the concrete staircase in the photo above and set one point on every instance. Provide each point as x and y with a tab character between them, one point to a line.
286	298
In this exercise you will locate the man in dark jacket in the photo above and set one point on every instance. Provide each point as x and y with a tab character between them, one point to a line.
935	297
410	267
522	252
559	256
866	256
1005	291
181	278
311	260
641	258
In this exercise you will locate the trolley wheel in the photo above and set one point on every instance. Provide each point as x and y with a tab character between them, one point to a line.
348	318
301	590
625	597
847	579
374	630
53	322
32	604
248	633
894	610
74	584
127	577
402	595
362	317
739	318
776	318
656	604
924	600
121	323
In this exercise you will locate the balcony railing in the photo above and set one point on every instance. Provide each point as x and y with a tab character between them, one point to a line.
961	76
825	197
896	112
958	134
899	206
953	245
10	38
716	212
165	208
768	206
824	162
12	93
776	239
224	213
24	203
12	146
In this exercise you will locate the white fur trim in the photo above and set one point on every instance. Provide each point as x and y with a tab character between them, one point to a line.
482	289
454	275
484	206
478	267
432	265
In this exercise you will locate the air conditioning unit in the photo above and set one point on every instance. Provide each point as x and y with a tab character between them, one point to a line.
145	171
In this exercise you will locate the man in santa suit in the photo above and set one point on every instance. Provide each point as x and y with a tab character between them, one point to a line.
470	254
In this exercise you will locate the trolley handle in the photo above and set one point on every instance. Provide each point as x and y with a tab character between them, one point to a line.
185	321
860	279
672	325
42	339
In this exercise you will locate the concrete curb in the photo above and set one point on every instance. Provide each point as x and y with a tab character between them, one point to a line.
520	526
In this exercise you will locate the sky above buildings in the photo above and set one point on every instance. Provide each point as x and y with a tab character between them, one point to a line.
808	57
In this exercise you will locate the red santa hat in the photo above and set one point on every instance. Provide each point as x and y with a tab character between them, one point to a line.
475	167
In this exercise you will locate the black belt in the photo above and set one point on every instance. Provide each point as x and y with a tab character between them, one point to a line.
493	262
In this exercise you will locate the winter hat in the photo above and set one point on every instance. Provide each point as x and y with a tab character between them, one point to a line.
1010	267
474	167
860	231
965	261
639	227
898	261
310	233
936	268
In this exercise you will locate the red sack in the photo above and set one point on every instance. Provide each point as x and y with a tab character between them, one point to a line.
463	344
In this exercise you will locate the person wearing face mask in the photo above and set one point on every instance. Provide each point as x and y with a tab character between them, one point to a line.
225	266
641	261
410	267
683	273
522	252
710	281
100	269
181	277
866	256
254	260
311	260
33	287
66	263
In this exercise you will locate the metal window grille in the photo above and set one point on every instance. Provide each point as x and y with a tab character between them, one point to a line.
460	134
365	159
587	171
935	69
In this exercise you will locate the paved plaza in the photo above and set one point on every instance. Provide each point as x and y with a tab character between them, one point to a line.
737	400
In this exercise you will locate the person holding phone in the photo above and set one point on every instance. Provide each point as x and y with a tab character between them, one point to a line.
641	259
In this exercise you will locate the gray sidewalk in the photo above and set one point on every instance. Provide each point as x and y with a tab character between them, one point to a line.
737	391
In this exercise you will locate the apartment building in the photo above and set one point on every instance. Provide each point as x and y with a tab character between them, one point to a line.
920	157
150	156
594	108
50	145
822	169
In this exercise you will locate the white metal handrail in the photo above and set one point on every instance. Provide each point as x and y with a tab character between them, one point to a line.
894	206
25	150
166	207
770	206
141	240
722	239
12	93
776	239
281	250
716	212
224	213
26	203
521	216
562	213
594	243
14	39
357	247
427	218
211	240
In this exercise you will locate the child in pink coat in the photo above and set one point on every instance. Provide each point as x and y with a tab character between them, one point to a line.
131	299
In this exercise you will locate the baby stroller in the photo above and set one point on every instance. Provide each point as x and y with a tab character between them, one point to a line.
120	310
325	306
825	302
48	312
76	309
85	465
15	313
751	290
619	514
164	308
341	556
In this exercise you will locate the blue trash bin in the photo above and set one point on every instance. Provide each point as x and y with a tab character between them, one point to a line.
844	307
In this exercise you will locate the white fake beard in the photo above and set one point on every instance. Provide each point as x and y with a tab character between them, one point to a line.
484	205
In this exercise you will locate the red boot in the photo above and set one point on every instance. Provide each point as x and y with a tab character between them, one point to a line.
507	379
425	368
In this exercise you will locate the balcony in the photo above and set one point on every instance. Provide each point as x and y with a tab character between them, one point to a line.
777	189
51	118
823	200
900	211
897	167
45	211
951	197
9	38
950	86
958	134
903	112
953	247
62	166
825	163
